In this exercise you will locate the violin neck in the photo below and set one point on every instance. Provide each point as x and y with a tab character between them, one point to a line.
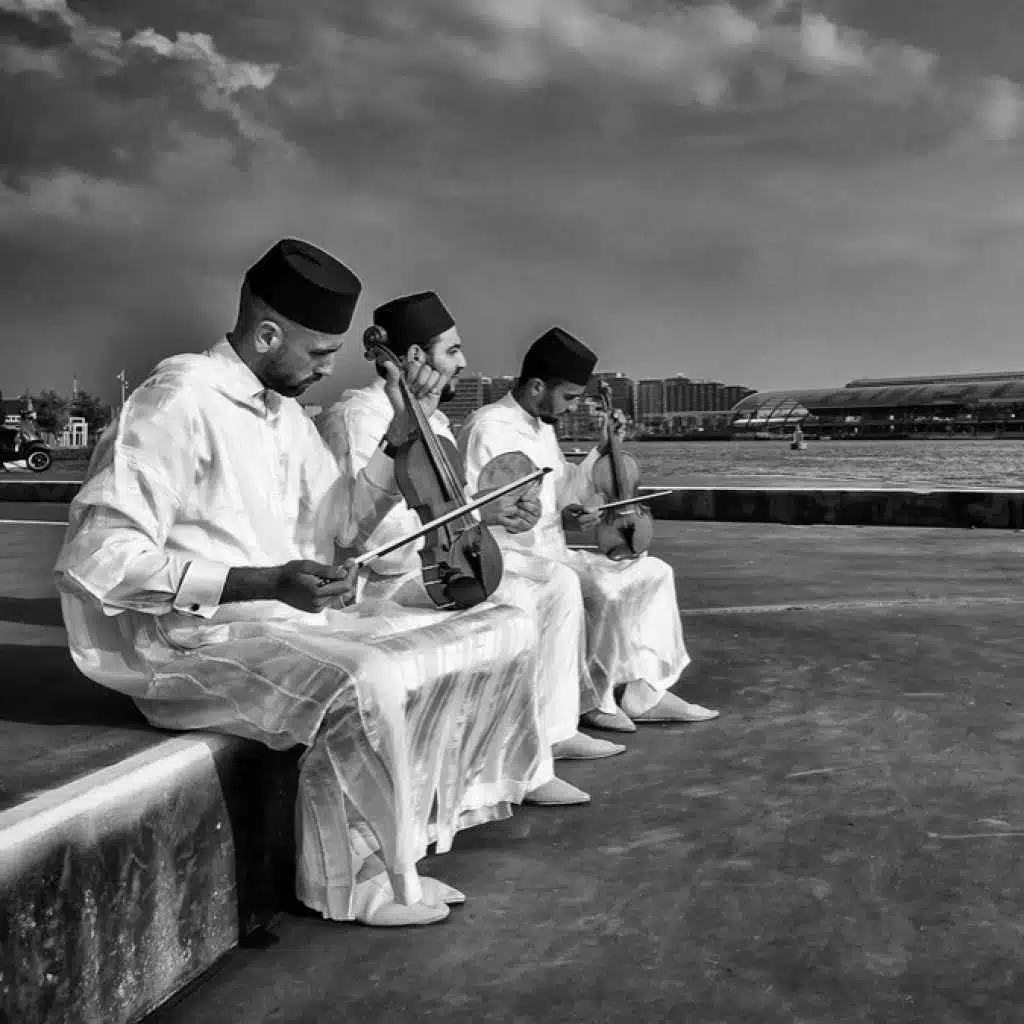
447	476
615	453
444	470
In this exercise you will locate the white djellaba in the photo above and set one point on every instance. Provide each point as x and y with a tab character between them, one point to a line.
353	428
634	634
416	723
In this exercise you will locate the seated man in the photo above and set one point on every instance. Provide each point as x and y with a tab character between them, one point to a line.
634	636
196	577
420	330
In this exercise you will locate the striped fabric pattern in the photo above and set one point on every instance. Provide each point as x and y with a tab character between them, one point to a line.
416	723
633	629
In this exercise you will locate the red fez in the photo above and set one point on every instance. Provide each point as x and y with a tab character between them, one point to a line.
412	320
557	355
306	285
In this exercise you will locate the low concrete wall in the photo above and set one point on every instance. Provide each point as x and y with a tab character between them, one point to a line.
57	491
993	510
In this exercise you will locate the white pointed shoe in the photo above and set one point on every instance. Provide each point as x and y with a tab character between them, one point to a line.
610	721
674	709
400	915
437	893
581	747
375	905
556	793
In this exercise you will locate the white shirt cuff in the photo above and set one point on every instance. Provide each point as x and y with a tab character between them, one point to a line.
200	589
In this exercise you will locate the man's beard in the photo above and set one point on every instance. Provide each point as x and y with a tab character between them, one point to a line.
291	389
544	413
449	391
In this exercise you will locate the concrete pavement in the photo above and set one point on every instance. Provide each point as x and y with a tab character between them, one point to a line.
842	845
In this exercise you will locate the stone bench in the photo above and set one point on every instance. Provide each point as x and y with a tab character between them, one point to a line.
131	860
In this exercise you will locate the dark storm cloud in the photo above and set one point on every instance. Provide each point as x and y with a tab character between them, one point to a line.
93	97
644	169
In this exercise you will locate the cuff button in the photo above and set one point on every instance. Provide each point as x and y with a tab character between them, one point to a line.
195	607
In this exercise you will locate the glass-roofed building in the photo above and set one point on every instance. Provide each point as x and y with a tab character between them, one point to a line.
990	404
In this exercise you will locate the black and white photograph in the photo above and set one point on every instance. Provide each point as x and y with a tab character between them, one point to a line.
511	511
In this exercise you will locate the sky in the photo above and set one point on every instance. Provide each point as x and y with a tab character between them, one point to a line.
772	193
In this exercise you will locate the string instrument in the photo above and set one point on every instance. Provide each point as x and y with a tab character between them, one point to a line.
462	563
470	506
625	530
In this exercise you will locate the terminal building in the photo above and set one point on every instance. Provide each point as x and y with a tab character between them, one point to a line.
653	407
966	405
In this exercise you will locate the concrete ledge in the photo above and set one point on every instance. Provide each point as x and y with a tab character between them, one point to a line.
120	887
994	510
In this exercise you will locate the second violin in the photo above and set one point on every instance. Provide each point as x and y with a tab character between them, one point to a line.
627	531
462	563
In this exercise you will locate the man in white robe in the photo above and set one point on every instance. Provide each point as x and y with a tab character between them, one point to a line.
634	635
419	328
197	576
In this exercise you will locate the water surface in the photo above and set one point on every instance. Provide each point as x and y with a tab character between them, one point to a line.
914	464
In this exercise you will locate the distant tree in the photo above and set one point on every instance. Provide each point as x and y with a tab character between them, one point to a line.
52	411
95	413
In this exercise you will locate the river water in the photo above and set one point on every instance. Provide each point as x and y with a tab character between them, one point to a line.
894	464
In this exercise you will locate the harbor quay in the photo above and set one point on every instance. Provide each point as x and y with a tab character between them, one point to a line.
842	844
791	502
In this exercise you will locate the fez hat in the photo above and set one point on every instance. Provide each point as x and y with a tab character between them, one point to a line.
412	320
306	285
557	355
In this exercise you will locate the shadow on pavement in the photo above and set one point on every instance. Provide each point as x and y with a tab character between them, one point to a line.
32	611
43	686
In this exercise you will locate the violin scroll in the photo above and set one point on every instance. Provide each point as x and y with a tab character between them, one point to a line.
375	344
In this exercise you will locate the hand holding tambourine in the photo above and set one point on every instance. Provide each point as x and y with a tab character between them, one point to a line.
520	510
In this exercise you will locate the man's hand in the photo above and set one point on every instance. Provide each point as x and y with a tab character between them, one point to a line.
520	517
424	383
578	517
311	586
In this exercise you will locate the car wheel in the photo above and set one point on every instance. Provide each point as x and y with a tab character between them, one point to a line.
39	461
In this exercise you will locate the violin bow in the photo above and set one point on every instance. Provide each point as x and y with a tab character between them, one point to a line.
455	513
634	501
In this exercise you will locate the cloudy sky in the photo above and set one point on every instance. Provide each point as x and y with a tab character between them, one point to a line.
767	193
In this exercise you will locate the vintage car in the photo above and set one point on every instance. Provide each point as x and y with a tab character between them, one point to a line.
18	446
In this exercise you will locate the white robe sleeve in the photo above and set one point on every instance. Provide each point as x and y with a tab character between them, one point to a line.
119	521
573	483
353	429
479	442
349	503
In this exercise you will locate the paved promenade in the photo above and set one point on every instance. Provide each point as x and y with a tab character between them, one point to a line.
843	845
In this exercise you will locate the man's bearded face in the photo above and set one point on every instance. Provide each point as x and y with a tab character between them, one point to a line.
446	356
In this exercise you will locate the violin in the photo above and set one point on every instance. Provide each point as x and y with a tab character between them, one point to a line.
626	531
462	563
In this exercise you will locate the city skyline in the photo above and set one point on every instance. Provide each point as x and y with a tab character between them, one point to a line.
791	193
